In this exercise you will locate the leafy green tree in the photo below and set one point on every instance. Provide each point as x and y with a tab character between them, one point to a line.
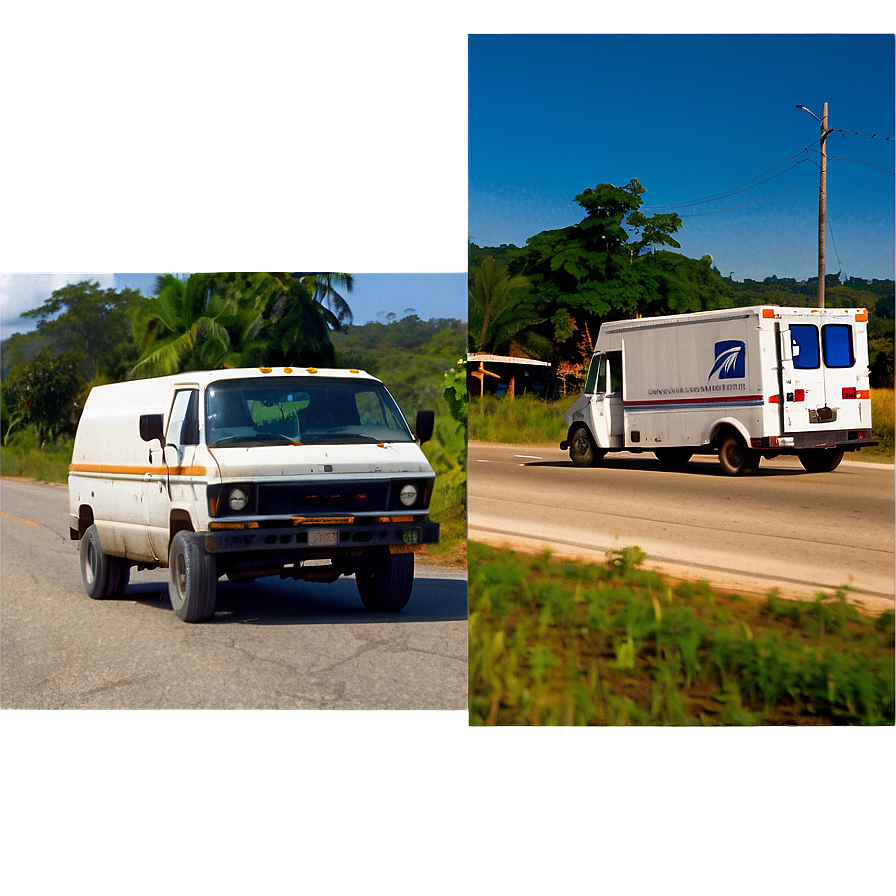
89	323
500	309
42	393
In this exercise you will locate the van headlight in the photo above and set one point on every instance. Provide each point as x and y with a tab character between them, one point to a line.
238	499
408	495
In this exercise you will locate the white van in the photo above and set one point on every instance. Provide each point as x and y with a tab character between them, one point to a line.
306	474
746	383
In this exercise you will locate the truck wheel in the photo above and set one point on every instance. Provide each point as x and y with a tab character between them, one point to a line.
387	588
734	456
582	451
820	460
103	576
192	578
673	457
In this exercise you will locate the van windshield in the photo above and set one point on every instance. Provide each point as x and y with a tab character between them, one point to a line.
301	411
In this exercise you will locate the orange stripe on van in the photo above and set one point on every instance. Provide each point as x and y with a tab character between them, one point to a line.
122	470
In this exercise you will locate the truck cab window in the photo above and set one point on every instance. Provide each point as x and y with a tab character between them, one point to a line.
591	384
804	338
836	341
614	359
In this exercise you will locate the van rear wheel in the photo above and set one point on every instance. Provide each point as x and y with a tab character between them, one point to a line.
386	586
820	460
192	578
103	576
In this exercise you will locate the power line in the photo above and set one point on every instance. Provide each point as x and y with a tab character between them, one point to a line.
744	204
744	186
844	159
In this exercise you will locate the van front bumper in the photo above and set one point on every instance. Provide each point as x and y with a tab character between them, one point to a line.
320	539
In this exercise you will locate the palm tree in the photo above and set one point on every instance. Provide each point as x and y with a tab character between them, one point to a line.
191	324
501	316
336	310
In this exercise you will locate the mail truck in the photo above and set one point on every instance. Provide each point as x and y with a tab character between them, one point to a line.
743	383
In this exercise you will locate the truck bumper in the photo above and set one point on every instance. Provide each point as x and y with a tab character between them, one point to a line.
320	539
849	440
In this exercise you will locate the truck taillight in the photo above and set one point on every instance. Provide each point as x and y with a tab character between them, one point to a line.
799	395
852	392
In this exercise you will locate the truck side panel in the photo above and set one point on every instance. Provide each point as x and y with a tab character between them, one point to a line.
683	380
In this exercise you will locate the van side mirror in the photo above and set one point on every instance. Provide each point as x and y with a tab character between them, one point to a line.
151	428
424	425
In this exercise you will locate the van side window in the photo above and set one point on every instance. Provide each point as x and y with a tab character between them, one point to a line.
183	426
805	346
836	342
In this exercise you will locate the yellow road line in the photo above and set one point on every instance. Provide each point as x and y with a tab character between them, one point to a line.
21	519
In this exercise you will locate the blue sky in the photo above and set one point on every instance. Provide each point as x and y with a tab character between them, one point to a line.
690	116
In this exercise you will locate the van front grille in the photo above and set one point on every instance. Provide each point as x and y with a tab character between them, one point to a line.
325	499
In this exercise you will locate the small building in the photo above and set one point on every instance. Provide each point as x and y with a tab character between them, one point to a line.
489	374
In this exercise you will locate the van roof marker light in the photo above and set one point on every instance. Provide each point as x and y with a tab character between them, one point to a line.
265	369
287	369
354	371
861	316
768	312
311	369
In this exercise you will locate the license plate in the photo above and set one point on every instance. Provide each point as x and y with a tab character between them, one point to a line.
325	538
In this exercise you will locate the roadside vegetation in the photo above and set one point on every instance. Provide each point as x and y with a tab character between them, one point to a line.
561	643
530	420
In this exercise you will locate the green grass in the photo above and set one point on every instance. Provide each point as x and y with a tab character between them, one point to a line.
22	457
522	420
561	643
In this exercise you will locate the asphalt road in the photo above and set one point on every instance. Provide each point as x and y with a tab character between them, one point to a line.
779	527
271	645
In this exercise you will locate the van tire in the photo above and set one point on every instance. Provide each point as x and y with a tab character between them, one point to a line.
103	576
386	587
673	457
582	451
192	578
820	460
734	456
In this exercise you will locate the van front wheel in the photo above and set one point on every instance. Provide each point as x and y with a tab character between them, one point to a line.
192	578
103	576
386	586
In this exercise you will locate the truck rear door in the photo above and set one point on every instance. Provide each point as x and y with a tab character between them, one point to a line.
820	376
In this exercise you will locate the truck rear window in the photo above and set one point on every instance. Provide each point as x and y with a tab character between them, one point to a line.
301	411
836	341
804	338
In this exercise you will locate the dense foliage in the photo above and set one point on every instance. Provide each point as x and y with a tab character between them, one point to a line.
561	643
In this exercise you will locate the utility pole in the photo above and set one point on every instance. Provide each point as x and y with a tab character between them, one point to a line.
822	198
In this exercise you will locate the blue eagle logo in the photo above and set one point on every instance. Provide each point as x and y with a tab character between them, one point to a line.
731	360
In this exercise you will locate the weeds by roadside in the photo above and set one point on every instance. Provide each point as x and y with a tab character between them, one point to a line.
555	642
22	457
